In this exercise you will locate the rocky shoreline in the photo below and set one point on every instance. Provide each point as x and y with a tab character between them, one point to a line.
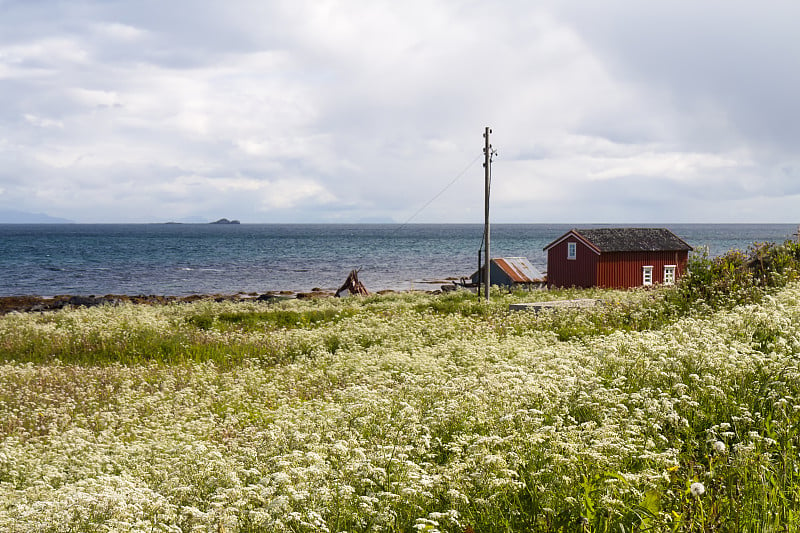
34	304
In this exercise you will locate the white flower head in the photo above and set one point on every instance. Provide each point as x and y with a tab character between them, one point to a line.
697	489
718	446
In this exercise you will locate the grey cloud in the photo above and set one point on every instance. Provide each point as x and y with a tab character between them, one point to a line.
151	107
736	57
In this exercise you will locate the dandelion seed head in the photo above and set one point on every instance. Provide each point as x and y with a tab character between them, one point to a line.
697	489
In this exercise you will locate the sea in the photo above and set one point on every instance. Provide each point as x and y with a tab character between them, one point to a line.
185	259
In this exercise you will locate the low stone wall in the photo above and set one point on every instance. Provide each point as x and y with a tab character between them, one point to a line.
538	306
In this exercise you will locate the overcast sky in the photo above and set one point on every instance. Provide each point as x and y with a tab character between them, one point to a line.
361	111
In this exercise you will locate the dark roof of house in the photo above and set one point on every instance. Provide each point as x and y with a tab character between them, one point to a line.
633	239
628	239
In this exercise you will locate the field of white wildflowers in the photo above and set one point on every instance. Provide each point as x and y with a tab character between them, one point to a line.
398	413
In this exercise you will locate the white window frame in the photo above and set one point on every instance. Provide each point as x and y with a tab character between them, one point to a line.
647	275
670	280
572	250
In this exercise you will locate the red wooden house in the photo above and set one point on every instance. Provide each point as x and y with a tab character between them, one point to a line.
616	258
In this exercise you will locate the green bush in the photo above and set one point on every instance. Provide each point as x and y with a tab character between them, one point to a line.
738	277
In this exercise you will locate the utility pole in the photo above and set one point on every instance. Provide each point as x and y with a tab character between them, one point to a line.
487	170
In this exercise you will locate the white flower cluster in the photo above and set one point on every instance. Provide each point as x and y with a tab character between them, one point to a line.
389	417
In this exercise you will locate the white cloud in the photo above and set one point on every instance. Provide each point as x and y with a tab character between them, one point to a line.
52	51
43	122
284	194
676	166
94	98
118	32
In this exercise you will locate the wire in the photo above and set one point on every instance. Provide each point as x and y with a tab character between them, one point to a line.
429	202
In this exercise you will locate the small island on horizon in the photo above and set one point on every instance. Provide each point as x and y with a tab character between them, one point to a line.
220	221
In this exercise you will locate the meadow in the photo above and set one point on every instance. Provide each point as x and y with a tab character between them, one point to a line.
666	409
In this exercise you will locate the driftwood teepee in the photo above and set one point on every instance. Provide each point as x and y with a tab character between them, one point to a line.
352	285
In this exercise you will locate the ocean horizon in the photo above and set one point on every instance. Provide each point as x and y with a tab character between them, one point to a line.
180	259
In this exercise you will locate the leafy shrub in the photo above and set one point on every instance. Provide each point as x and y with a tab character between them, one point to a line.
737	277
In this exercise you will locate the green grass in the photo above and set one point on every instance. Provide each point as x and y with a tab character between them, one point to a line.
273	319
413	412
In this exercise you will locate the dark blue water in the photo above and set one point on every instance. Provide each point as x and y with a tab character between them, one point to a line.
182	259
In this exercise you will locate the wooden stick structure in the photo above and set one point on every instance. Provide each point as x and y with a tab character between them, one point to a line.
353	286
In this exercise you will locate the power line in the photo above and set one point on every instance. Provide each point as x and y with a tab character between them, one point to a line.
429	202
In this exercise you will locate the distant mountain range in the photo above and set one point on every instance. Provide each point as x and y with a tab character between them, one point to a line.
11	216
